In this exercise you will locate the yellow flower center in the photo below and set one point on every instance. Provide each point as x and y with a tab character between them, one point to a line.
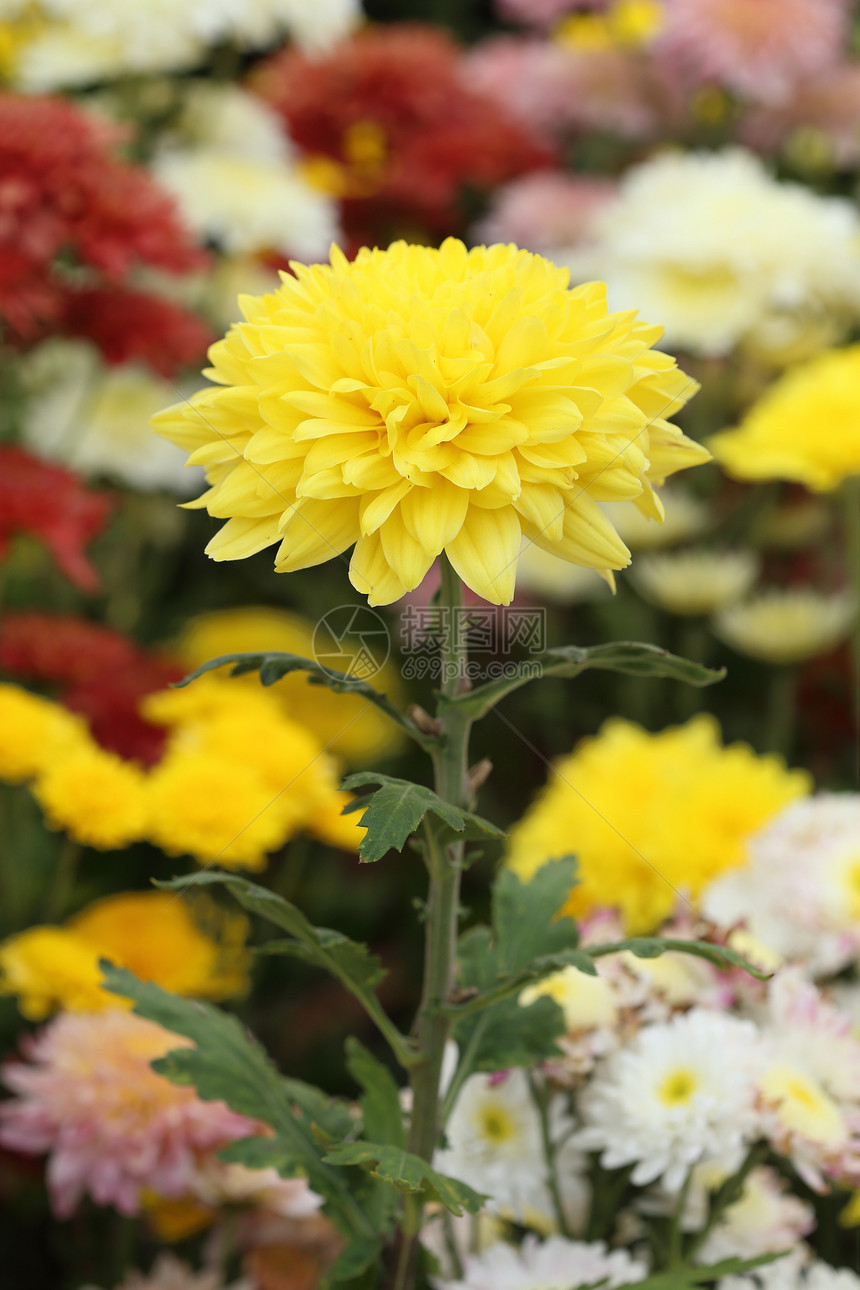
679	1087
496	1125
804	1106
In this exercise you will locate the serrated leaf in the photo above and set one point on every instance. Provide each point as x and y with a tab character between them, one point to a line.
355	1259
525	914
227	1064
262	1153
408	1173
273	666
347	960
651	947
393	812
630	657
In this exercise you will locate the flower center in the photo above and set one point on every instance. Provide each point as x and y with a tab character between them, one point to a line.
496	1125
679	1087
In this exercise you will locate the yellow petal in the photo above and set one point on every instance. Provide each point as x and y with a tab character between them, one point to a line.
239	538
316	531
434	516
408	558
371	574
485	553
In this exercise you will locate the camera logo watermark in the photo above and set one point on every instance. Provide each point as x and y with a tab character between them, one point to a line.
353	639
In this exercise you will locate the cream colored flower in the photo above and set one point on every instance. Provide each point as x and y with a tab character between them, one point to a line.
787	625
686	518
696	582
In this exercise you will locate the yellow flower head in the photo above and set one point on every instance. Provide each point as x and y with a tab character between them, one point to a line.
33	731
346	724
805	427
152	933
190	947
696	582
651	816
216	809
419	400
787	625
95	796
51	968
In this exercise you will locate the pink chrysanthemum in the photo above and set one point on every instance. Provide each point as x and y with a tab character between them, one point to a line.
760	48
111	1126
824	108
545	210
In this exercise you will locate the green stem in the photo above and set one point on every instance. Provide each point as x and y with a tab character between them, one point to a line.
676	1229
730	1192
539	1098
444	862
60	891
781	711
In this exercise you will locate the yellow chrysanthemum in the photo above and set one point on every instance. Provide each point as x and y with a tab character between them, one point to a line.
153	933
32	732
419	400
195	949
649	816
50	968
95	796
345	724
805	428
787	625
214	808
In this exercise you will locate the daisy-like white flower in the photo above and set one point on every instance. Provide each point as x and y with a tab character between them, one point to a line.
800	892
680	1094
787	625
712	245
495	1145
766	1218
809	1082
554	1264
793	1272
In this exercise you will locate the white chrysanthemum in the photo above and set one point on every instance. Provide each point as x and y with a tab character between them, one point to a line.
247	205
766	1218
84	41
686	517
496	1146
555	1264
223	116
791	1273
715	248
809	1082
542	573
695	582
787	625
681	1093
96	419
799	895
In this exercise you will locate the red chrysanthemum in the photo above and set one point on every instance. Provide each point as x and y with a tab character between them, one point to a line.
64	192
134	326
390	107
96	671
50	503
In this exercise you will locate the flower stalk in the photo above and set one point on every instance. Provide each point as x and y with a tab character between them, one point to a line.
444	863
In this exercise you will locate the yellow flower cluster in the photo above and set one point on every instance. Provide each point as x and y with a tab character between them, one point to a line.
804	428
191	949
420	400
651	816
238	779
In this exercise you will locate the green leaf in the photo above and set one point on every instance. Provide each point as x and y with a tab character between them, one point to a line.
382	1114
536	971
355	1259
651	947
394	810
684	1278
227	1064
262	1153
273	666
630	657
408	1173
349	961
525	914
